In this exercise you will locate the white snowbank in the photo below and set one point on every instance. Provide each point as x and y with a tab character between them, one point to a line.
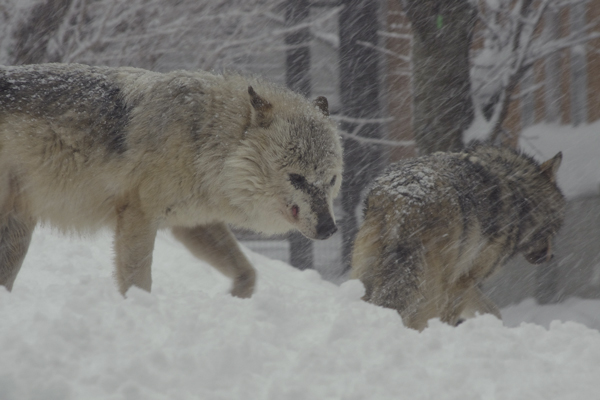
67	334
579	173
583	311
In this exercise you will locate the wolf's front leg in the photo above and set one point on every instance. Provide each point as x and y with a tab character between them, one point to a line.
134	243
16	228
15	235
216	245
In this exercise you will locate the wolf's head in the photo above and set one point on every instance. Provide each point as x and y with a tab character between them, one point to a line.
545	213
288	164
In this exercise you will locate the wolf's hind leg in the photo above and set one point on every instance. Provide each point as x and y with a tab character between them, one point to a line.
16	228
216	245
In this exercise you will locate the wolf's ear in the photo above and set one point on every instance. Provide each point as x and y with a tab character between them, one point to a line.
550	167
322	104
263	116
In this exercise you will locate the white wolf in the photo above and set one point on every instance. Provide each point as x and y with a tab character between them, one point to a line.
85	147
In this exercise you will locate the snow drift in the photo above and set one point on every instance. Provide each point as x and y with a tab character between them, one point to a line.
66	333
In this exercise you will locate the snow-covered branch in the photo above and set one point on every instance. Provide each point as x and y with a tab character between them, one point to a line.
513	40
164	34
359	123
379	142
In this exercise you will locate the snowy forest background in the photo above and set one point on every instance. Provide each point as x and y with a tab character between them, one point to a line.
403	77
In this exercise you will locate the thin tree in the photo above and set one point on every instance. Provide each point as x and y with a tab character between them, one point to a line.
359	92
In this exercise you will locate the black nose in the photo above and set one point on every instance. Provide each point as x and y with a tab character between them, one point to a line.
325	226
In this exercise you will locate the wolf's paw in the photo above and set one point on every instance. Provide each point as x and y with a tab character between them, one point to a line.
243	285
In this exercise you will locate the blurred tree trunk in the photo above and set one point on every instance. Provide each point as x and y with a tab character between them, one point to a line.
297	78
442	104
32	36
359	91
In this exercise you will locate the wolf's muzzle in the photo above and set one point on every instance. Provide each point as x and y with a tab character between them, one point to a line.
325	226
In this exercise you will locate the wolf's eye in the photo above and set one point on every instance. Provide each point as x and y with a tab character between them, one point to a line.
332	181
297	180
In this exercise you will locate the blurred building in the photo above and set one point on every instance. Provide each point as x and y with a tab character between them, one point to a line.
562	88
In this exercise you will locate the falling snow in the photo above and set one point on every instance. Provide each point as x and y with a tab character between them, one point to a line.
66	333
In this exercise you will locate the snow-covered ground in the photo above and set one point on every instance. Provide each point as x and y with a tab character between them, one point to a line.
67	334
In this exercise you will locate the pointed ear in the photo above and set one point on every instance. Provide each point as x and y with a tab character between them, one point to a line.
322	104
263	116
550	167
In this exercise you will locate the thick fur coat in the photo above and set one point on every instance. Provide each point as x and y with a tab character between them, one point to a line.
436	227
86	147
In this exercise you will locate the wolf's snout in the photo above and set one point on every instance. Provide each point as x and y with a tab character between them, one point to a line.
325	227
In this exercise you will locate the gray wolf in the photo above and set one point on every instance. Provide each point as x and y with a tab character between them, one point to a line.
137	151
437	226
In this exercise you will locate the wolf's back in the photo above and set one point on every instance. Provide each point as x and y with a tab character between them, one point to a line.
87	97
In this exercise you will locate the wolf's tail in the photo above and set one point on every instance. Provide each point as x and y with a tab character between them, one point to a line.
400	267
